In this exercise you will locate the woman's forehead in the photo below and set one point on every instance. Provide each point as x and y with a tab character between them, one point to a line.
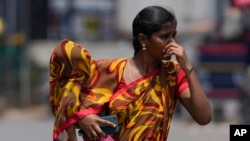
168	27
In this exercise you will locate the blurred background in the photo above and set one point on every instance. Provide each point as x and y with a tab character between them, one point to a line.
215	34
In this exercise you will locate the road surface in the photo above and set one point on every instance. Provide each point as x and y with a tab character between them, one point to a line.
37	126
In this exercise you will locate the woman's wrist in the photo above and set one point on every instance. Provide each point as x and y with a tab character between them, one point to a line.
188	70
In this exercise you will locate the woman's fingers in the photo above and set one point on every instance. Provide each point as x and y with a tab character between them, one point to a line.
103	122
91	125
169	51
99	132
173	49
93	134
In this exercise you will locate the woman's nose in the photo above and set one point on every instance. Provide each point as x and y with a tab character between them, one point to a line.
169	40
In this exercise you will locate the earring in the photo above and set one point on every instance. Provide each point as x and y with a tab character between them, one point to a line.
144	47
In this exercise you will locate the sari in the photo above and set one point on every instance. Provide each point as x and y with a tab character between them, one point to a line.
80	85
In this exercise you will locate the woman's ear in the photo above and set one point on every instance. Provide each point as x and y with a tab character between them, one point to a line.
142	38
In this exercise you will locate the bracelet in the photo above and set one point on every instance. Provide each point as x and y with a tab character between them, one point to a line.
190	71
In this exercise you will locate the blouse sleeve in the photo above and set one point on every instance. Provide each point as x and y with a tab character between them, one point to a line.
182	83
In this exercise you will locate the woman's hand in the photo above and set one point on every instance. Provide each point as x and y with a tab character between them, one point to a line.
91	126
174	48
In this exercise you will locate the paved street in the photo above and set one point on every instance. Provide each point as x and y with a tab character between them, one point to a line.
36	125
181	130
26	130
40	130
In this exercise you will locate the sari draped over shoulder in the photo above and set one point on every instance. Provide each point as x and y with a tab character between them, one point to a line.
146	105
79	85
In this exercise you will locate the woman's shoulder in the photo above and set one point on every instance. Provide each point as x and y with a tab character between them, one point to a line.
69	43
111	61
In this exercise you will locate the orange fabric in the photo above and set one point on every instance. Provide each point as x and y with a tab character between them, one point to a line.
146	105
80	85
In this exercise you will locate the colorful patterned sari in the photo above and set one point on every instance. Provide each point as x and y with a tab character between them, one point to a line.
80	85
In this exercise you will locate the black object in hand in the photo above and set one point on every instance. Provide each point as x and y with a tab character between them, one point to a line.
106	129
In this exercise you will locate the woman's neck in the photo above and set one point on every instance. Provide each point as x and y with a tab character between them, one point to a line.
144	64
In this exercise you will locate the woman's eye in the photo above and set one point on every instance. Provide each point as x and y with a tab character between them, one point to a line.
165	36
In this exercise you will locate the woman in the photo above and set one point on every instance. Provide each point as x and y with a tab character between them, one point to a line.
142	91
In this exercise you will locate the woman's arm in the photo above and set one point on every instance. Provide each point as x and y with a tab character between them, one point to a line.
195	100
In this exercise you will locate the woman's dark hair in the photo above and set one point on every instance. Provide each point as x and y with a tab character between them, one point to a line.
150	20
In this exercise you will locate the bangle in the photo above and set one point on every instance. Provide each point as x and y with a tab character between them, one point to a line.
190	71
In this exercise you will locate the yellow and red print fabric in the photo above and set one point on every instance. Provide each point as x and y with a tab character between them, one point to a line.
80	85
145	106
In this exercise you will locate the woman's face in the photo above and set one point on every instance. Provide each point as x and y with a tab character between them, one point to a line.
160	39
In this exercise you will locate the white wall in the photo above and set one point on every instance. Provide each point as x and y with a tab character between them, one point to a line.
187	11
